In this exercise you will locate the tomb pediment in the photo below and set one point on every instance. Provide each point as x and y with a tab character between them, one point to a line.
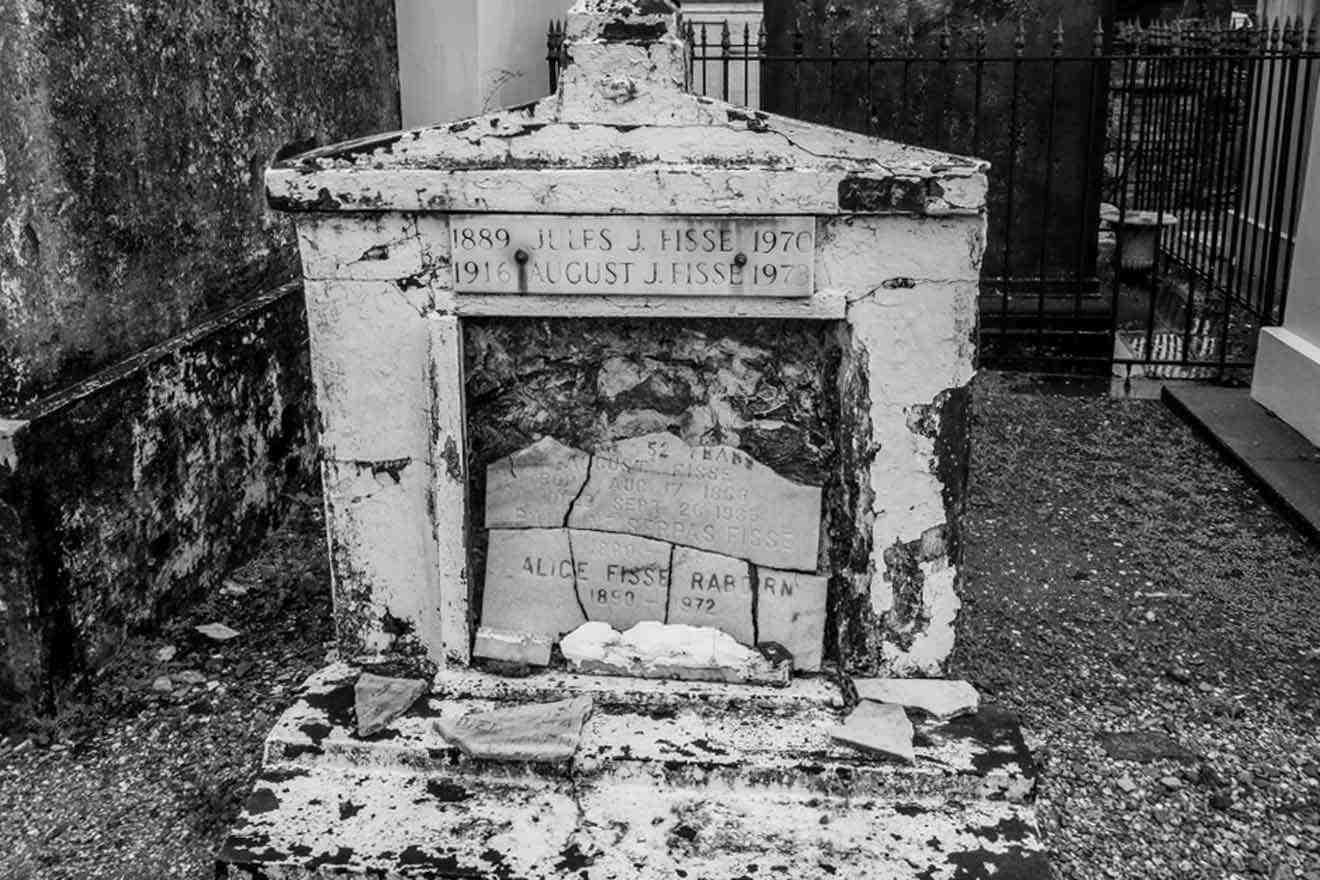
623	122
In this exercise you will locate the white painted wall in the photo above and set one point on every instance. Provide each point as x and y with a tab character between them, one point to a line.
1287	375
459	58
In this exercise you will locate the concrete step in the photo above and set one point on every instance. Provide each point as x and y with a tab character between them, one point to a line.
750	737
334	821
669	777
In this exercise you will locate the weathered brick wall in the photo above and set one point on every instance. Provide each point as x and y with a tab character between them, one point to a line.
133	137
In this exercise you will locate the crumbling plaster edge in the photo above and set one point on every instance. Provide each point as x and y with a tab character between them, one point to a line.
10	430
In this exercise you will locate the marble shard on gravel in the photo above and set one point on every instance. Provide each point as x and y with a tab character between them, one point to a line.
533	732
937	697
378	700
657	650
878	728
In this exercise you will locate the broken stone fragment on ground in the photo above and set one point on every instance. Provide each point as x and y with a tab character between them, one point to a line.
378	700
547	732
657	650
877	728
216	631
166	653
937	697
512	646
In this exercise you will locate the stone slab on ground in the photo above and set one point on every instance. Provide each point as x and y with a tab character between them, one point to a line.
1280	460
878	728
336	821
526	732
378	700
937	697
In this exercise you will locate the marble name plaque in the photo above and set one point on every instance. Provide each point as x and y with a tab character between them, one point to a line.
652	529
710	497
619	254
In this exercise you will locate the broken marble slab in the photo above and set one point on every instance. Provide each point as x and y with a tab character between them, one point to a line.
877	728
511	646
378	700
937	697
679	651
548	732
714	498
535	486
622	579
710	589
790	610
530	583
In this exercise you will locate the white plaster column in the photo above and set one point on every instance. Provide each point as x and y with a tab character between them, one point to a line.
1287	374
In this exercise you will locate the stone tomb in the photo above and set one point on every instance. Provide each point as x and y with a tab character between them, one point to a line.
724	502
649	528
624	197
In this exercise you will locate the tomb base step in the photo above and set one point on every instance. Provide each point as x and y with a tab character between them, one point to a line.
668	776
665	734
324	821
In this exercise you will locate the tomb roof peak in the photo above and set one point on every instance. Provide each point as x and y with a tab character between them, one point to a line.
622	129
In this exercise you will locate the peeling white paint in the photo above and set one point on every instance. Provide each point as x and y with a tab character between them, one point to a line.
9	431
900	234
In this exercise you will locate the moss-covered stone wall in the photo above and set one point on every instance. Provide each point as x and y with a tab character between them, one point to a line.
133	138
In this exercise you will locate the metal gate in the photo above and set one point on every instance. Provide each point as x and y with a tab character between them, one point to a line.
1144	182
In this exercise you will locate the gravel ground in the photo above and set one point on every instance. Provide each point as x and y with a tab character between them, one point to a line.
1121	578
136	782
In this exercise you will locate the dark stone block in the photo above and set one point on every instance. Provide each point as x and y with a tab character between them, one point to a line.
148	482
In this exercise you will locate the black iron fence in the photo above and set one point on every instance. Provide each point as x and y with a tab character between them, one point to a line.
1143	186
